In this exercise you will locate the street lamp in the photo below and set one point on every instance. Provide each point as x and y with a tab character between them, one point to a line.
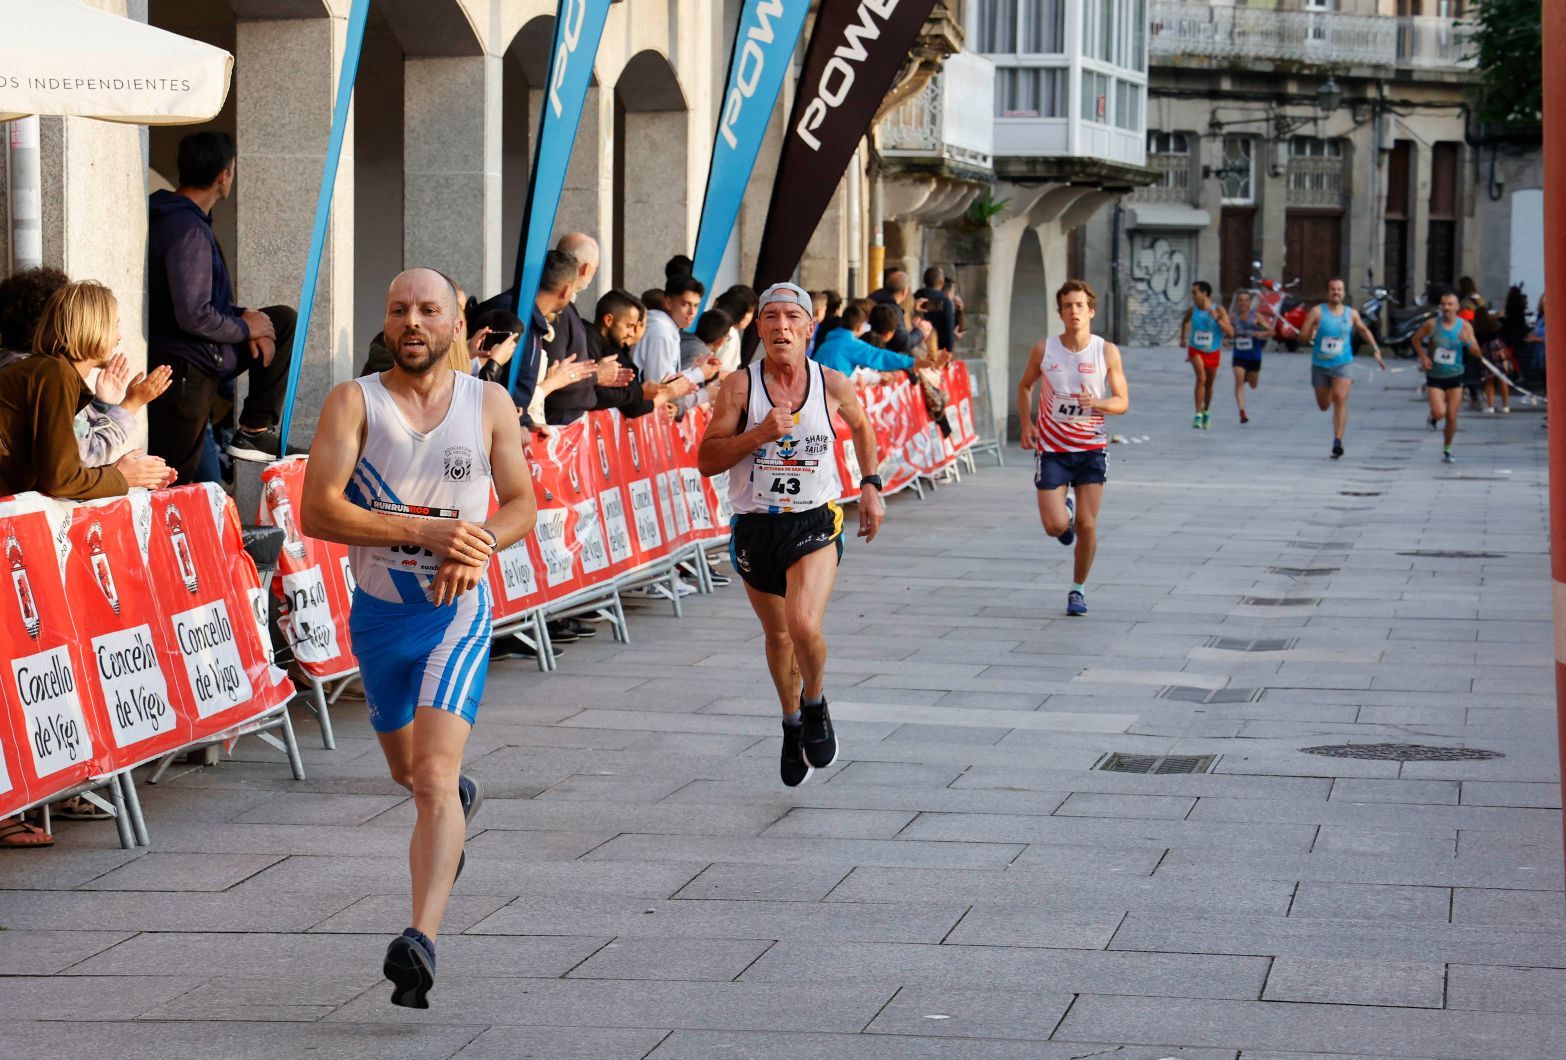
1328	96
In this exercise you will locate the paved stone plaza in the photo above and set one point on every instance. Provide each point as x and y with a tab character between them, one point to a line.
964	882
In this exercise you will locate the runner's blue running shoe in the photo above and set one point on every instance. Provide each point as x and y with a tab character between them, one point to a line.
1076	603
1071	527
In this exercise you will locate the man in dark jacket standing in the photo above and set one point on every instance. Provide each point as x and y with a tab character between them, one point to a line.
194	325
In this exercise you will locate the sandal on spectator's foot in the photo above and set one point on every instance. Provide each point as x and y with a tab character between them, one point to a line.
77	808
17	834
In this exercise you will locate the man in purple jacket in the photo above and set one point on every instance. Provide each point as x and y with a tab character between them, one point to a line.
194	326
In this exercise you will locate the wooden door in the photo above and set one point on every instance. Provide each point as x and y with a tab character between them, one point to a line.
1237	246
1313	251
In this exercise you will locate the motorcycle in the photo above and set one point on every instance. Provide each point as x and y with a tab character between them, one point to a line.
1277	309
1393	326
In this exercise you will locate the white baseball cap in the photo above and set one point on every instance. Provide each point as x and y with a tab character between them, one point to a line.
787	292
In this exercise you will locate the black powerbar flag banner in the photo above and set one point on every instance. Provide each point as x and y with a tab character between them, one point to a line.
855	51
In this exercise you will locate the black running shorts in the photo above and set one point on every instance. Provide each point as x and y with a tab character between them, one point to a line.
764	546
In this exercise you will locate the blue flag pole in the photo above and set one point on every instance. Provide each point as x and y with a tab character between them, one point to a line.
323	208
579	26
764	42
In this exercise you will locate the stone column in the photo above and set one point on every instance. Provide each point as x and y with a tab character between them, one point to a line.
283	117
451	168
94	208
1366	197
587	200
1272	208
995	305
1419	220
657	193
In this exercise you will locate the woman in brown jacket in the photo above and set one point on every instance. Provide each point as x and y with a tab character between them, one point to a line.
40	396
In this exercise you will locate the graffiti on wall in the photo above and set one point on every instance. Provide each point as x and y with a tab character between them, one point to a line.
1161	274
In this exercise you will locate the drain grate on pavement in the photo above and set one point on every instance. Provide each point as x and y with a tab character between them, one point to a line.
1158	764
1280	601
1325	546
1304	572
1244	644
1191	694
1359	493
1453	553
1402	752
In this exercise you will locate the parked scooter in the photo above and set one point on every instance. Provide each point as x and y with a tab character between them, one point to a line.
1392	325
1276	308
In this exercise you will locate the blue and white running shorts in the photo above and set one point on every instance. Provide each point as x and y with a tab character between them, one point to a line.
420	655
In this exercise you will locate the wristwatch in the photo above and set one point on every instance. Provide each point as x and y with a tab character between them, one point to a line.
871	480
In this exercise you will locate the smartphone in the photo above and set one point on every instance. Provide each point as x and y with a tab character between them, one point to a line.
495	338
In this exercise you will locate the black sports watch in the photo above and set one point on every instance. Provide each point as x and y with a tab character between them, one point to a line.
871	480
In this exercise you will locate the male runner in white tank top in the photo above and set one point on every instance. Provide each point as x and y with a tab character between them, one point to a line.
771	430
1083	383
400	471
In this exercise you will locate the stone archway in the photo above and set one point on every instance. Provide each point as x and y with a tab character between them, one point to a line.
1028	320
651	215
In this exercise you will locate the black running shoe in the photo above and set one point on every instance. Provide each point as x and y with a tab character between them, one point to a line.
580	628
792	767
411	969
1337	450
472	796
561	633
819	740
259	446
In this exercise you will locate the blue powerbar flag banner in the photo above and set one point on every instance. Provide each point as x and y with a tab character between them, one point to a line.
357	16
579	26
764	43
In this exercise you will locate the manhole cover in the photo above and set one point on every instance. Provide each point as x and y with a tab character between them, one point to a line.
1159	764
1452	553
1186	693
1242	644
1280	601
1304	572
1359	493
1402	752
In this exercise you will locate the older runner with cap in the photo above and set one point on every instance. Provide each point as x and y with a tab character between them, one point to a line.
772	431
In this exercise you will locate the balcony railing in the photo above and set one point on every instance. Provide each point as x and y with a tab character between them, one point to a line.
1174	179
950	119
1182	29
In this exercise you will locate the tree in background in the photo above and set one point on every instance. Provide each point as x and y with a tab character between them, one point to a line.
1507	43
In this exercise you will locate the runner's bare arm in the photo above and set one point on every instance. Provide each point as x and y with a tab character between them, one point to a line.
721	446
1224	323
1312	322
508	467
328	514
1471	340
1119	399
1369	336
1420	337
1030	378
841	393
1185	324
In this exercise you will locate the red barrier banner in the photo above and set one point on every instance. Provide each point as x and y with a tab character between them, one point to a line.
699	498
959	410
133	662
671	488
313	580
207	598
514	583
49	746
639	460
607	470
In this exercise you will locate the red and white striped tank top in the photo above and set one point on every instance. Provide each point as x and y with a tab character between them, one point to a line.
1063	425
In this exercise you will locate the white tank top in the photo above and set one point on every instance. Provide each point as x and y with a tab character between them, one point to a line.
1064	427
442	474
797	472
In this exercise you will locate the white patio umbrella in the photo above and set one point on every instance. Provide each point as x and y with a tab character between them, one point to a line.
63	57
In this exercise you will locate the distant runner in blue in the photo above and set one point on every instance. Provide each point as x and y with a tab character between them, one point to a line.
1330	330
1441	343
1250	335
